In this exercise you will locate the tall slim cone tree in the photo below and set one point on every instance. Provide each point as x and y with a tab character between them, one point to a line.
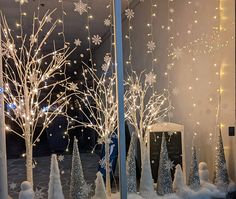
55	188
131	166
194	180
164	184
100	190
77	184
221	173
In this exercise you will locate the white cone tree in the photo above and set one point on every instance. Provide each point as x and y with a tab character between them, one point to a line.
55	188
100	191
194	180
178	183
32	92
78	185
164	183
131	166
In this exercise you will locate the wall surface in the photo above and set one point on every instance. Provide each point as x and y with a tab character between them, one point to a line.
195	56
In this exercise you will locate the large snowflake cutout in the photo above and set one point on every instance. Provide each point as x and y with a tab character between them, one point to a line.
86	189
48	19
129	13
107	22
61	158
22	1
73	86
151	45
77	42
80	7
96	39
177	53
12	186
150	78
169	164
39	194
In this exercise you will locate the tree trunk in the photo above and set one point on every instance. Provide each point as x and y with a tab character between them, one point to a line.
107	161
29	155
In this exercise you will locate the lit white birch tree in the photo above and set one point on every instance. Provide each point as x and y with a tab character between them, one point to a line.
33	82
97	103
143	105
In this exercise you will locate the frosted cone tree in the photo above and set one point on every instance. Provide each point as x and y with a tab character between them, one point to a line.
55	188
30	79
97	103
144	106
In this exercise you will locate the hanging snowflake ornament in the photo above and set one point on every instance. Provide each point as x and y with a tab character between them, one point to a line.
151	45
177	53
39	194
129	13
80	7
86	189
107	58
107	22
96	39
105	67
48	19
21	1
61	158
12	186
77	42
33	39
169	164
73	86
175	91
150	78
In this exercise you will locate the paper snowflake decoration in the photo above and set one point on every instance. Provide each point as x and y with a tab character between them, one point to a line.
61	158
129	13
12	186
150	78
96	39
77	42
39	194
33	39
48	19
80	7
151	45
107	58
107	22
177	53
105	67
169	164
86	189
175	91
73	86
22	1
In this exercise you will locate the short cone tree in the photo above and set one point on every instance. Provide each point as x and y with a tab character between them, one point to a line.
194	180
178	183
78	185
146	181
131	166
221	173
164	184
100	190
55	188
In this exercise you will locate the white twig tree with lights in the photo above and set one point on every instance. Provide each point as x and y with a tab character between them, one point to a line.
33	82
144	106
97	103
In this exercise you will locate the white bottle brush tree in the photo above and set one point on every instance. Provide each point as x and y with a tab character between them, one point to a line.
55	188
79	189
33	79
144	106
98	105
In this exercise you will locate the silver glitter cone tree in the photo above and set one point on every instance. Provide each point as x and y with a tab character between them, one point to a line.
78	184
164	184
55	188
131	167
194	180
221	173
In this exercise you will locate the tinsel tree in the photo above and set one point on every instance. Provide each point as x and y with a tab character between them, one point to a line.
144	106
164	183
194	180
146	182
131	166
55	188
221	173
33	81
100	191
97	103
178	183
78	186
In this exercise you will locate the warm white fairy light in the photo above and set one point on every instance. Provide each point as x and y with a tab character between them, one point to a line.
24	77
